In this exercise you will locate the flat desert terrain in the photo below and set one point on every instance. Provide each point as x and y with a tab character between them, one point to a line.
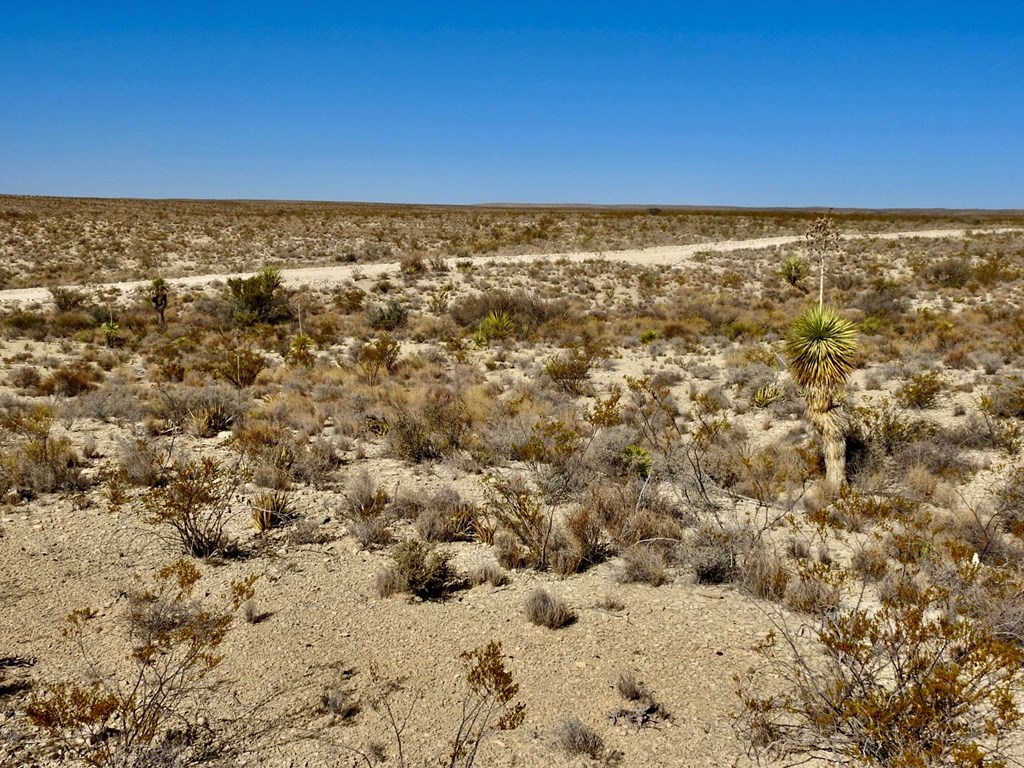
303	484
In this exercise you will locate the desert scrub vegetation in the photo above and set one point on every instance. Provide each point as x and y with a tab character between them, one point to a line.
149	708
193	507
421	570
910	682
126	239
550	415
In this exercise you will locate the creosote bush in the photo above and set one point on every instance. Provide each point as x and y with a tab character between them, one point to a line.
194	504
148	710
910	683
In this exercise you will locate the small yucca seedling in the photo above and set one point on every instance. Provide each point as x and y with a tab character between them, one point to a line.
637	461
497	325
301	350
768	394
270	510
795	270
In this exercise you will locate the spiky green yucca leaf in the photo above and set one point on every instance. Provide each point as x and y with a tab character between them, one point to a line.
820	347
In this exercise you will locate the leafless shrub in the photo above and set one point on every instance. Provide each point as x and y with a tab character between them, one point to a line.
147	711
714	553
509	552
24	377
145	462
195	504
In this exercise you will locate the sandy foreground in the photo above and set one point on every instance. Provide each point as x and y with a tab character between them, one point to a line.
326	626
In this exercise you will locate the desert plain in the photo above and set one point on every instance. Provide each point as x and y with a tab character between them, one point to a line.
375	439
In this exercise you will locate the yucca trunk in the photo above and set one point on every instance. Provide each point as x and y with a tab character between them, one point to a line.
831	423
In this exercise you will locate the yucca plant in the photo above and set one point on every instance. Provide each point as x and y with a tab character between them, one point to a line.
820	347
794	270
158	294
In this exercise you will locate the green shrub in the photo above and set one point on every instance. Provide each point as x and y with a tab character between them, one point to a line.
387	317
258	299
570	371
921	391
376	356
420	570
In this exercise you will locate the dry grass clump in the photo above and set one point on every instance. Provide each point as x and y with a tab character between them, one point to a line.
645	564
446	516
366	512
35	458
763	574
573	737
144	461
642	709
488	573
546	610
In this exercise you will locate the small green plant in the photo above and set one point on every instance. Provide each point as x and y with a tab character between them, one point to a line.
766	395
381	354
497	325
300	351
921	391
158	293
570	371
637	461
795	270
387	317
110	331
257	299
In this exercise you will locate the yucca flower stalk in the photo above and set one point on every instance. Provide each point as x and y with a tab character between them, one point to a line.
821	347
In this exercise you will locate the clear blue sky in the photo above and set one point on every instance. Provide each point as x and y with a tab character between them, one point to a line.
841	104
